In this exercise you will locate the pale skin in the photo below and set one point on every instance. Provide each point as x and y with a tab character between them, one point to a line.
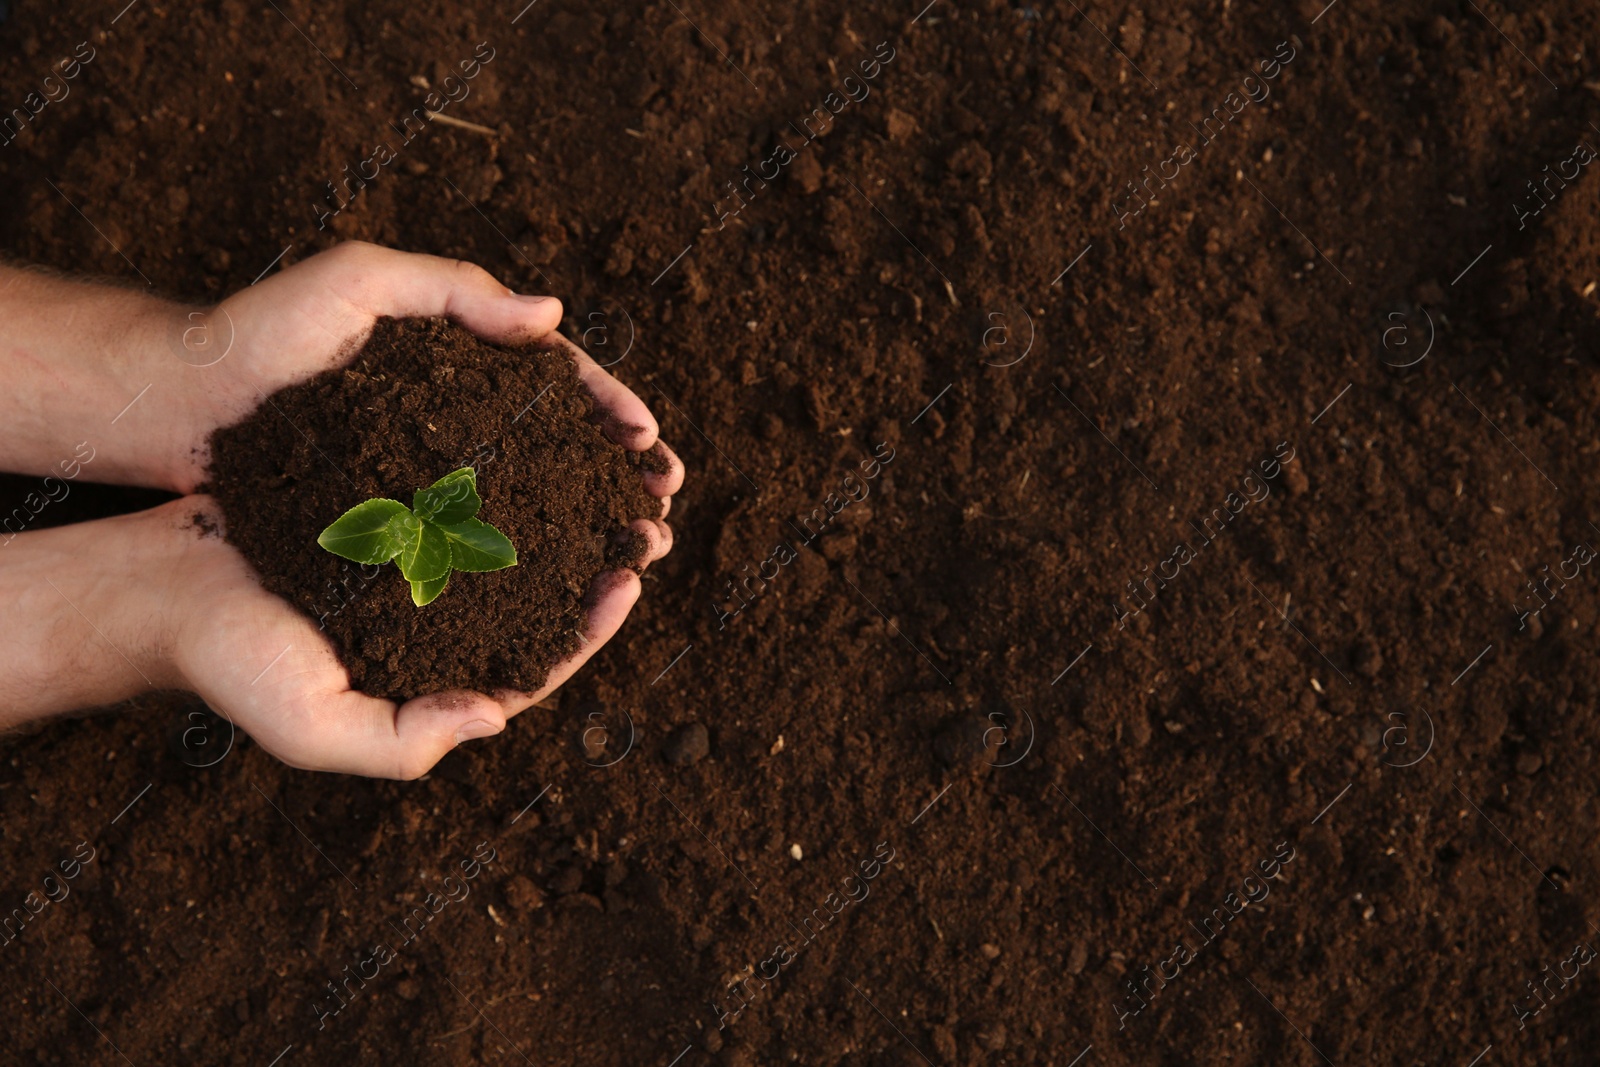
102	611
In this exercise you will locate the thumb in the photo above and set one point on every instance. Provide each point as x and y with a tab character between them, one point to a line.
357	734
427	728
387	282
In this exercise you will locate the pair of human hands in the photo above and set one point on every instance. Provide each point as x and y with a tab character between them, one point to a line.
190	612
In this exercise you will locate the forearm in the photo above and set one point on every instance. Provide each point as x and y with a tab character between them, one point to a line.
73	357
81	629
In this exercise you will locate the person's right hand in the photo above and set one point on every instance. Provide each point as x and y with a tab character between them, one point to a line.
268	669
111	608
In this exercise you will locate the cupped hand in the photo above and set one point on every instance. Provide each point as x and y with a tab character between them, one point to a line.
267	668
253	657
315	316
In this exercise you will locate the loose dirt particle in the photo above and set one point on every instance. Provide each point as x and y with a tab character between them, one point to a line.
690	744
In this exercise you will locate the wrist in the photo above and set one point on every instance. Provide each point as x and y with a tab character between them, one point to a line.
91	368
152	423
171	381
93	611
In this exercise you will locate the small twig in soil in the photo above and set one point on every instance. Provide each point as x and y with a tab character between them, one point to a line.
450	120
470	1026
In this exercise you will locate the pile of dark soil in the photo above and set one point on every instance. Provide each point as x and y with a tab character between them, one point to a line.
1325	746
422	399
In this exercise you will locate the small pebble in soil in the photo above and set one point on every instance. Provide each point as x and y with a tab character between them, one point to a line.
687	745
1078	958
794	850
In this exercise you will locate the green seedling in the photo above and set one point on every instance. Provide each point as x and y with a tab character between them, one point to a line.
437	534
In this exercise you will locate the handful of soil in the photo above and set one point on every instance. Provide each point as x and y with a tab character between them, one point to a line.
423	398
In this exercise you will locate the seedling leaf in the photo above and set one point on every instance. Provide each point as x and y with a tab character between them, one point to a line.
442	534
371	532
452	499
477	546
425	592
426	556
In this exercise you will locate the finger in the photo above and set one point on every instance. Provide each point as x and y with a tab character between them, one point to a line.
359	734
386	282
627	420
656	539
429	727
666	538
611	597
669	480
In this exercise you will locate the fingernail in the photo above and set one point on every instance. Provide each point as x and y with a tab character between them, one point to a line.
534	300
476	729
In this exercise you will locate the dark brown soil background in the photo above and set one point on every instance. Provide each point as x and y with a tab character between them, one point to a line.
424	398
1261	698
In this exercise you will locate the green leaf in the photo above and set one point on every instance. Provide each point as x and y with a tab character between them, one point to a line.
452	499
477	546
425	592
372	532
425	557
440	535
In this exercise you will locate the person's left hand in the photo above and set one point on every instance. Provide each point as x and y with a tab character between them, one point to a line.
316	315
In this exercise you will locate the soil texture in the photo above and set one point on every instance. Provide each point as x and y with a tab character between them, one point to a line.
1210	677
424	398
